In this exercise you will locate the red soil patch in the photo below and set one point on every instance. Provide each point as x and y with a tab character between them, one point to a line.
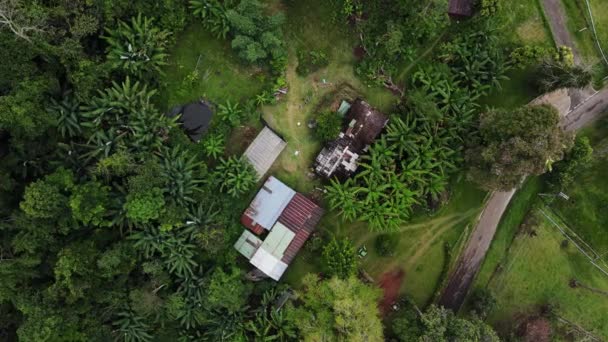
390	282
359	52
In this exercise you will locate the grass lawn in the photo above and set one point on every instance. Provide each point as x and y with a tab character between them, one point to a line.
537	272
507	229
587	210
524	23
579	25
515	92
420	253
310	27
220	74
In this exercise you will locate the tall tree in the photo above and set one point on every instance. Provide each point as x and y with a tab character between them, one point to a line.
337	310
514	144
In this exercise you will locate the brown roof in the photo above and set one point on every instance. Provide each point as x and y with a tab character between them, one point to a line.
461	8
365	123
301	216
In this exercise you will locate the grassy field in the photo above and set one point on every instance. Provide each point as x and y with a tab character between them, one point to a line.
580	29
507	229
524	23
537	271
204	66
420	253
526	271
307	22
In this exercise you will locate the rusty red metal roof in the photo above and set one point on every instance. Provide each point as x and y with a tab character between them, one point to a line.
301	216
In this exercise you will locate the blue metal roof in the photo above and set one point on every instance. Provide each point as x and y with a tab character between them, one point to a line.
269	203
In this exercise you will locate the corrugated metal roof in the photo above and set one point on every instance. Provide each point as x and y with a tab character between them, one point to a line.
268	204
247	244
277	241
301	216
264	150
268	263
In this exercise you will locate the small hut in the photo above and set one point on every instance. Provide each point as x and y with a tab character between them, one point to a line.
461	9
194	117
264	150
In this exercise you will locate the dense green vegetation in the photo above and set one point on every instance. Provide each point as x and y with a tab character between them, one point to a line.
115	225
556	285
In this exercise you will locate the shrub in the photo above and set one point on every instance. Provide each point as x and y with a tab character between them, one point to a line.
489	7
386	244
146	206
339	258
483	302
311	61
527	55
329	125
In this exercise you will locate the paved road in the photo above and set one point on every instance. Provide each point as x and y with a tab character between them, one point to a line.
587	112
474	253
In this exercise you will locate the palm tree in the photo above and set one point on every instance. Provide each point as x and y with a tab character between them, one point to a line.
236	176
230	113
138	47
213	15
67	113
182	173
213	145
344	198
132	328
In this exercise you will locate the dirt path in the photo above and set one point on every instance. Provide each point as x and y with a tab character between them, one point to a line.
555	14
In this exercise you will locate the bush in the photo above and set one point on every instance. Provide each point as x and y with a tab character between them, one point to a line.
339	258
311	61
556	74
527	55
483	302
386	244
329	125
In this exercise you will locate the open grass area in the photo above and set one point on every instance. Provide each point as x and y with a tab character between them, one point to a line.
515	92
201	65
586	212
421	249
526	271
537	271
507	229
523	23
579	25
310	27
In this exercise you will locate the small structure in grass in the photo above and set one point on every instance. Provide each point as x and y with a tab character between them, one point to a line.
340	157
289	216
194	117
264	150
461	9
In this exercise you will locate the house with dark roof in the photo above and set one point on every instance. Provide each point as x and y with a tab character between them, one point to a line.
340	157
194	118
290	217
460	9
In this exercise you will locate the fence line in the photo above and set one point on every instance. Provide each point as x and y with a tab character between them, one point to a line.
574	242
597	41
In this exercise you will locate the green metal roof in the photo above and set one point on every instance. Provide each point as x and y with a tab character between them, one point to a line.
277	240
247	244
